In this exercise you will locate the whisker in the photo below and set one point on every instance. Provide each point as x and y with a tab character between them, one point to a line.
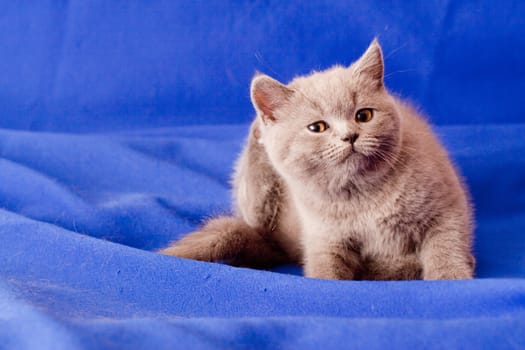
334	149
266	64
399	71
393	51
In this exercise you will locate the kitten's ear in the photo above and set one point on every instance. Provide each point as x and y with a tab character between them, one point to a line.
268	95
370	66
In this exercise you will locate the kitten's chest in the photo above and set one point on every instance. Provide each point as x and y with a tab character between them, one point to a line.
362	222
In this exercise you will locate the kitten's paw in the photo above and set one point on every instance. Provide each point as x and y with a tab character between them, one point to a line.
457	273
460	269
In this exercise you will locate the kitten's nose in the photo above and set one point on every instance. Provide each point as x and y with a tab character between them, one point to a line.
350	138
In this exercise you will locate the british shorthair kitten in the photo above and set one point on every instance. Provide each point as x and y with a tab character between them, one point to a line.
342	177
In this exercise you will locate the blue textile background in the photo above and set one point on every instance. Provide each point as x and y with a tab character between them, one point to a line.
77	66
119	125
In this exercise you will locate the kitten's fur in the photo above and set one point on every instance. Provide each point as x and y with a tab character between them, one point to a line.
387	205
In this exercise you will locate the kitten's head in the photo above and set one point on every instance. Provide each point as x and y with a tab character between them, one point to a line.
333	127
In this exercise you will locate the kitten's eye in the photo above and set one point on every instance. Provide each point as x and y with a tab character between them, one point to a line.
319	126
364	115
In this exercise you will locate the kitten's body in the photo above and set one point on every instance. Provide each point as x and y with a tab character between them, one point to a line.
386	205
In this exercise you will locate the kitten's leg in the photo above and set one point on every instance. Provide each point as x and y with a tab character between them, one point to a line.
338	261
228	239
446	256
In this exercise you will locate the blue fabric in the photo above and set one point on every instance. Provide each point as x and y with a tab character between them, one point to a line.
119	126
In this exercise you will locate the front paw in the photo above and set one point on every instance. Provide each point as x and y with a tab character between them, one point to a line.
330	266
449	273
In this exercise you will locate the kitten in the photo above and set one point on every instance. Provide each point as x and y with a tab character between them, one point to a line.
342	177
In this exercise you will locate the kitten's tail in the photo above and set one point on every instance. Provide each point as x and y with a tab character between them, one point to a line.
231	240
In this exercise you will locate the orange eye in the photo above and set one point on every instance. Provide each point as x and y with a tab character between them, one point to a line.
319	126
364	115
